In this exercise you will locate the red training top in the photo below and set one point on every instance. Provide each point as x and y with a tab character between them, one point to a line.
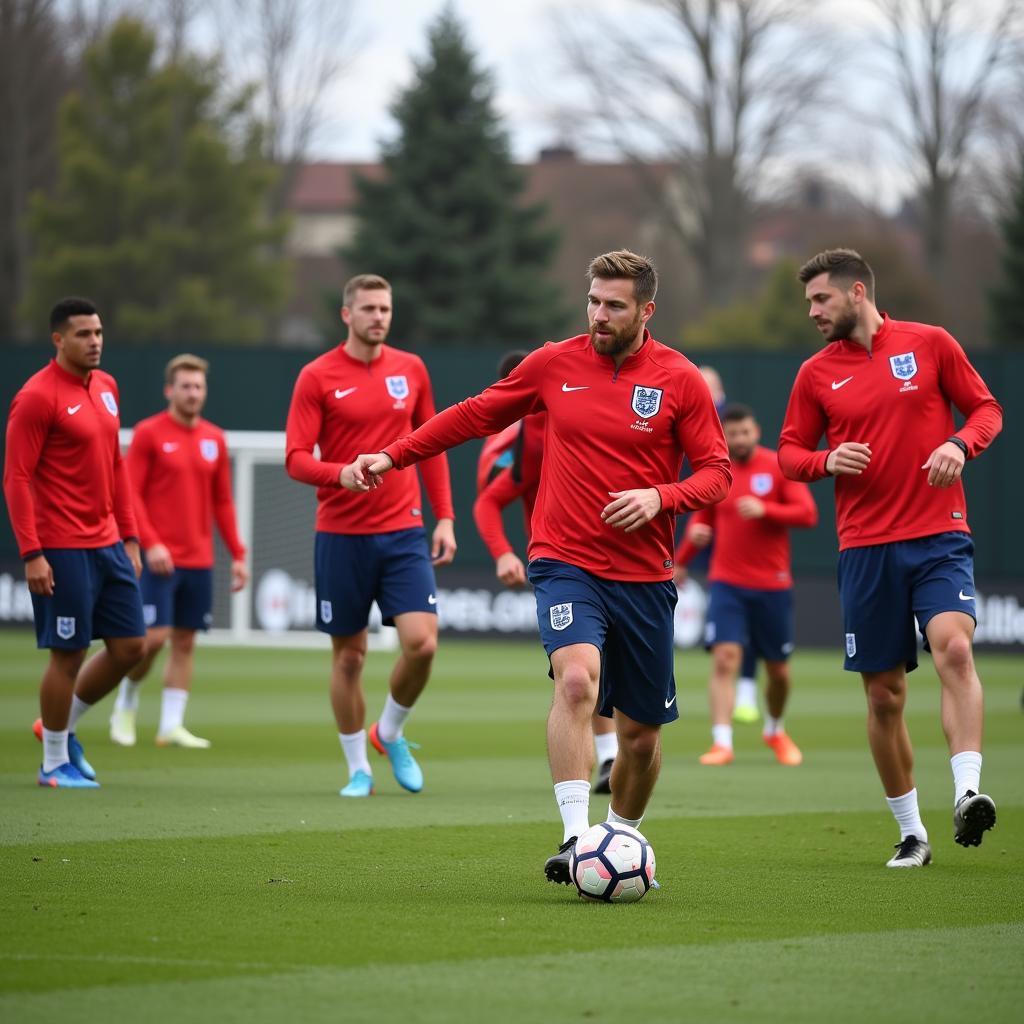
64	479
181	481
347	407
895	398
754	553
608	430
519	479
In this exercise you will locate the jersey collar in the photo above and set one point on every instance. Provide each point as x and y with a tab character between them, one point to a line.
69	377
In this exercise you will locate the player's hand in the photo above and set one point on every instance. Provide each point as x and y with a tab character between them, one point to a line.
699	535
945	465
750	507
239	575
850	458
632	509
158	560
510	569
39	576
365	473
443	549
131	549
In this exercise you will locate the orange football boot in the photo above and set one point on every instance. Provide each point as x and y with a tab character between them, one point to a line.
718	755
786	751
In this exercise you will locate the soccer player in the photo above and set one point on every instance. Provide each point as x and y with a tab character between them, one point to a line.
623	410
363	394
181	479
509	469
881	392
751	583
71	509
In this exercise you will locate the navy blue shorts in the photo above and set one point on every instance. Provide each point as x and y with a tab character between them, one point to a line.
882	588
748	668
95	594
629	623
761	620
183	600
354	570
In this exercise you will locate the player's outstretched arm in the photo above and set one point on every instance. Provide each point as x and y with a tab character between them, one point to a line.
365	473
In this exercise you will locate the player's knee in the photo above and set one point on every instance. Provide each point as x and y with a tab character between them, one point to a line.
955	652
576	687
640	745
183	642
885	699
421	647
350	660
128	651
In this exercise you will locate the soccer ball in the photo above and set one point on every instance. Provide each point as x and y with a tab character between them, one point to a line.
612	863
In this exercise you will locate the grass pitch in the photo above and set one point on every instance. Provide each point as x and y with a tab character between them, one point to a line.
235	884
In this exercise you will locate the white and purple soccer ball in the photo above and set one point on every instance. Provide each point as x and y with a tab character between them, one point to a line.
612	863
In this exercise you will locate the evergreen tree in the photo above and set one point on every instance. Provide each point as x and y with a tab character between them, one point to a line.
446	225
158	213
1006	300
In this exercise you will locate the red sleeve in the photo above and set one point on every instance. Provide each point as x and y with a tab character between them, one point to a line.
138	461
687	550
499	493
969	393
802	429
699	432
436	478
797	507
302	432
224	505
27	428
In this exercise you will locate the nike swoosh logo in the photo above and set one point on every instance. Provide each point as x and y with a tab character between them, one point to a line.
580	387
345	393
669	703
170	446
965	597
72	409
837	384
431	599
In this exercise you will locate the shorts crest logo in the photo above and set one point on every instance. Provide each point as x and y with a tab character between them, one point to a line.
109	401
646	401
904	366
65	626
326	612
761	483
149	614
398	387
851	644
208	449
561	616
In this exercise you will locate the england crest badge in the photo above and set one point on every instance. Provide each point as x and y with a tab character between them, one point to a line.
904	366
65	626
109	401
646	401
398	387
326	612
208	449
761	483
561	616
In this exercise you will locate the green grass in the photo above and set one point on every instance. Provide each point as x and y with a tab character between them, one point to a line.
235	885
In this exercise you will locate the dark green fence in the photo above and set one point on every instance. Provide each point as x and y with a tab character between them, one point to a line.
250	389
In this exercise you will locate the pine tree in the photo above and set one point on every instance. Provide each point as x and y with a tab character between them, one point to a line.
446	225
158	213
1006	300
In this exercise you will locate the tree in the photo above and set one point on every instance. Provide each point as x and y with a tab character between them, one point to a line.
158	213
720	88
446	224
1006	300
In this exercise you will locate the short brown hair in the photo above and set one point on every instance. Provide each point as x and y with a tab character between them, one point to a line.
844	266
364	282
186	361
625	264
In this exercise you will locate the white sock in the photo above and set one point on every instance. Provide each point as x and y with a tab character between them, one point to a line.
606	746
574	805
78	708
127	695
721	735
354	745
55	748
172	710
392	718
772	725
746	692
908	817
966	772
618	819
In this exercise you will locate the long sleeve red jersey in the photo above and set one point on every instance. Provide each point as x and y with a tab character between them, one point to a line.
181	479
64	478
896	399
754	553
608	430
520	479
346	407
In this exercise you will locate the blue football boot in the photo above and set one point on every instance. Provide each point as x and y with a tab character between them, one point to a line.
361	784
76	755
408	773
66	776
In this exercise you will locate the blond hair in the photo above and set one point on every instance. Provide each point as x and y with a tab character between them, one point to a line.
625	264
186	361
363	282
